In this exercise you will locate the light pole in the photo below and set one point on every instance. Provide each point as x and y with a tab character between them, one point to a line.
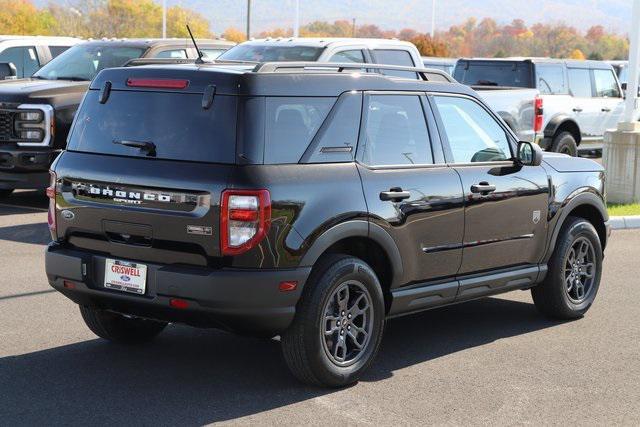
164	19
296	24
248	19
433	19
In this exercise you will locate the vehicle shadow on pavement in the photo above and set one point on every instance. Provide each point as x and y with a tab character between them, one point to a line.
193	377
36	234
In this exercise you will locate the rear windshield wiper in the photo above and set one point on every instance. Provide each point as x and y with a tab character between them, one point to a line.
144	146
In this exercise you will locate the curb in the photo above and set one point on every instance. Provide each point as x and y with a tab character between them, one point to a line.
625	222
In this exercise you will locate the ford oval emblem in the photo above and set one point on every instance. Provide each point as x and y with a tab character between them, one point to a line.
68	215
125	278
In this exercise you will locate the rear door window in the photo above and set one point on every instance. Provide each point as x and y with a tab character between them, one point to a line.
550	78
291	124
580	82
176	124
395	57
395	132
348	56
606	85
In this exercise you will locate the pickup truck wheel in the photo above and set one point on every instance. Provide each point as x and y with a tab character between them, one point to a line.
565	143
5	193
338	325
574	273
120	329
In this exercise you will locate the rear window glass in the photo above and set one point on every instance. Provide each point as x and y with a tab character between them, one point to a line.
507	74
175	123
261	53
291	123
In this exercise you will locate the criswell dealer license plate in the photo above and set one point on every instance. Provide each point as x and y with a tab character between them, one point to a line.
125	276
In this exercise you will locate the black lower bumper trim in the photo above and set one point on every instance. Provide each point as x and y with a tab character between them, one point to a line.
245	301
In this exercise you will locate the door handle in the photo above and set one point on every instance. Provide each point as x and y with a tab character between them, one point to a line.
606	110
577	110
394	195
483	188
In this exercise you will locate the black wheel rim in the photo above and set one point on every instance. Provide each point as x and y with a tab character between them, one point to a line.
347	323
580	270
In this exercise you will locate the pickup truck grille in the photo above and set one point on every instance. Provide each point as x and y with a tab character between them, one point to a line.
6	125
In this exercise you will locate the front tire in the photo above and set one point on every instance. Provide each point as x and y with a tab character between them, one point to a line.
565	143
574	274
339	323
120	329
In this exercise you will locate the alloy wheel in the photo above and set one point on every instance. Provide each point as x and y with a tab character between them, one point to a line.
580	270
347	323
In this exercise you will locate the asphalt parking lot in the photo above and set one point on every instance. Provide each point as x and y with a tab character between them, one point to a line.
494	361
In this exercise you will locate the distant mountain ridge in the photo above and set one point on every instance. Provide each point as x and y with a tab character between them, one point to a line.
614	15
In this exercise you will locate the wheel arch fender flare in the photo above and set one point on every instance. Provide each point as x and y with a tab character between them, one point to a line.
357	228
557	121
584	198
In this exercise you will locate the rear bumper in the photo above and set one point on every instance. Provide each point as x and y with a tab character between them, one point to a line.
25	168
244	301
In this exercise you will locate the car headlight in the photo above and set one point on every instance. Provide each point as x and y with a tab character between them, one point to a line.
34	125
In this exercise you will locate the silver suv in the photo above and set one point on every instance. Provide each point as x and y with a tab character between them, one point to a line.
577	102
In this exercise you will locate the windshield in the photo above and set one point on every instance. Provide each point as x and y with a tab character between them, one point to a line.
83	62
262	53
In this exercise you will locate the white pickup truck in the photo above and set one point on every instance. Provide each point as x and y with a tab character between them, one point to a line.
574	102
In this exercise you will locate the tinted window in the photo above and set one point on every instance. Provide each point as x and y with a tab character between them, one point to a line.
395	57
337	139
291	123
439	66
176	123
174	53
551	79
261	53
580	82
24	58
57	50
355	56
84	61
494	73
396	132
473	134
606	85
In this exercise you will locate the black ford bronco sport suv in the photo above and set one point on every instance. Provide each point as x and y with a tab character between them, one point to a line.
311	202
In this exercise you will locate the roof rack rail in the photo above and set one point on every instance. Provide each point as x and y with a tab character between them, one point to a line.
427	74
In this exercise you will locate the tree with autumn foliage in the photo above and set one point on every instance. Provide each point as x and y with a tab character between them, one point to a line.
21	17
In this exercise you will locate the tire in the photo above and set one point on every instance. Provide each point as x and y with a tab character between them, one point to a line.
5	193
321	359
559	296
565	143
120	329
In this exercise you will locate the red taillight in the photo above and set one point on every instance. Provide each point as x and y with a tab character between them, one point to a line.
51	194
245	217
539	115
158	83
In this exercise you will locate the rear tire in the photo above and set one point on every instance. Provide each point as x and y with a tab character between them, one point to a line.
120	329
565	143
338	327
574	274
5	193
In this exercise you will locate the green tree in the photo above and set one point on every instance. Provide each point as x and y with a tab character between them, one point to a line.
21	17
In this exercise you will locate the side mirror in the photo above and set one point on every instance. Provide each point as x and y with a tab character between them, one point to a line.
7	71
529	154
624	86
